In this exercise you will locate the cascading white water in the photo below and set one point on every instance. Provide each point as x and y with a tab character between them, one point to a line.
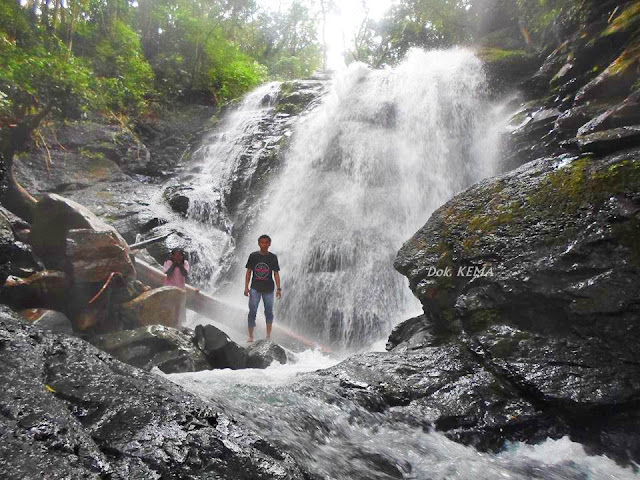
231	151
342	440
364	172
365	169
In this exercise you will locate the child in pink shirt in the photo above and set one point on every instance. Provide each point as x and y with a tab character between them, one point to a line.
176	268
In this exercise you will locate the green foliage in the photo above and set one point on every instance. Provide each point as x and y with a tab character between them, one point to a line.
413	23
38	72
119	55
124	74
547	21
288	42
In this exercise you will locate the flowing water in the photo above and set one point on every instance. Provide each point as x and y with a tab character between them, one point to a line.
224	163
364	170
342	440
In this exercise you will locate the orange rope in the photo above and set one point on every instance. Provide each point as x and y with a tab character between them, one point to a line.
104	287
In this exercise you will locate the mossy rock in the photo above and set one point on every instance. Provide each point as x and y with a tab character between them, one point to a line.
555	234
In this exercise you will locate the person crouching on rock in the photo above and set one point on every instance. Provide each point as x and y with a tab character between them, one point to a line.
177	270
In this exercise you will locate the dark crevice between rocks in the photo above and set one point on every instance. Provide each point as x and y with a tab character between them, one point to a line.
585	424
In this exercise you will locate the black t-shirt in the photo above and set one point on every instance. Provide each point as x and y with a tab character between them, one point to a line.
263	267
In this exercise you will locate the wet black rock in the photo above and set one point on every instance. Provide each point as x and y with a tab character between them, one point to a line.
221	352
23	261
539	279
154	346
436	387
412	334
74	411
177	197
624	114
263	353
610	141
54	321
6	248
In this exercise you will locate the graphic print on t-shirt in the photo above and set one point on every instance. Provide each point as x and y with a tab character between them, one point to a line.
261	271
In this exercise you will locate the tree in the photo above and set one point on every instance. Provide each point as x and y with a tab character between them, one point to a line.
413	23
288	42
37	78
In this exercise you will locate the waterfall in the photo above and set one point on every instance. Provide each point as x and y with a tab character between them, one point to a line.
222	170
363	173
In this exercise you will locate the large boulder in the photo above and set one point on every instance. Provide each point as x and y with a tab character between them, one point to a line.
219	349
536	272
159	306
54	218
93	255
73	411
154	346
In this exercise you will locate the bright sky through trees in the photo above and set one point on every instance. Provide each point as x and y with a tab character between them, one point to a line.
342	24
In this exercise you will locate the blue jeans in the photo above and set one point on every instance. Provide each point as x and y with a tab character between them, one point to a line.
254	300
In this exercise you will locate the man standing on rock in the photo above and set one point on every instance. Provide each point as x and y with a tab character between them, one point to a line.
262	268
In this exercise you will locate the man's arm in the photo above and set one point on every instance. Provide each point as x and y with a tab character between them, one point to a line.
247	277
276	277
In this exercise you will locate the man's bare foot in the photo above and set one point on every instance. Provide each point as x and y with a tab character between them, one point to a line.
250	340
268	337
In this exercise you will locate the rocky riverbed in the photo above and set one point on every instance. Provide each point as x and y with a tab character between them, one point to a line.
528	283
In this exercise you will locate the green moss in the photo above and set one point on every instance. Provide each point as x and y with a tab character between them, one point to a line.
445	262
288	108
481	319
492	54
286	88
562	190
92	154
629	18
626	62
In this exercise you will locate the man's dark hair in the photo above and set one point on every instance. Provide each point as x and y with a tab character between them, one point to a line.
264	236
179	250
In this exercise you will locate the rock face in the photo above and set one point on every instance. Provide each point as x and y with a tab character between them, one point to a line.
71	409
589	79
154	346
6	248
535	273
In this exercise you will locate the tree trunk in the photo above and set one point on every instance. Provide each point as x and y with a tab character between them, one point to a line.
16	199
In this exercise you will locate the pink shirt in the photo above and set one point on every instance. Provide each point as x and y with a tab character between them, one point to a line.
176	279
